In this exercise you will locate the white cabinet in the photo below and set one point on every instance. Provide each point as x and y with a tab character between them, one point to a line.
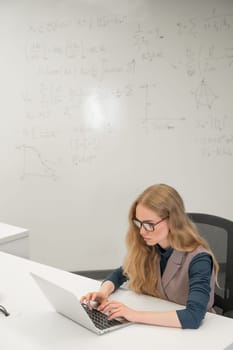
14	240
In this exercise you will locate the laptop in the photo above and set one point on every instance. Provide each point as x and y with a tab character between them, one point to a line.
66	303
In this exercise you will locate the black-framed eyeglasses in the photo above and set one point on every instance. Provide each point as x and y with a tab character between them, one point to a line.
148	226
4	310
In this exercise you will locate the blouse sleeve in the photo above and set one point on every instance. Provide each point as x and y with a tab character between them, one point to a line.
117	277
200	271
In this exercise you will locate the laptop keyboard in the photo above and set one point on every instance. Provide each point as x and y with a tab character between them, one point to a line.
99	319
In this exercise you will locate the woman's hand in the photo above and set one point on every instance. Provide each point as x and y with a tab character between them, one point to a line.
116	309
98	297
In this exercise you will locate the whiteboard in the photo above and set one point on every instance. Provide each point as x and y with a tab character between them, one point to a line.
100	99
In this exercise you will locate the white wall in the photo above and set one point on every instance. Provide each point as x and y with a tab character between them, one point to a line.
100	99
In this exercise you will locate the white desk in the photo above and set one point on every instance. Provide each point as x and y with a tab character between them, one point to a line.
33	324
14	240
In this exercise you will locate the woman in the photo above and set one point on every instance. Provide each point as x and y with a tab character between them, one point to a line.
166	258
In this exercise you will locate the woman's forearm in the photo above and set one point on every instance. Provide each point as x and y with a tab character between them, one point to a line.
116	309
167	318
107	288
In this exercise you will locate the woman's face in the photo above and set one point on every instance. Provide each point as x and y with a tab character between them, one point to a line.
159	233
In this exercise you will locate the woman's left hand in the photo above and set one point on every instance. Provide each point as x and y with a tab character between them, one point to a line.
116	309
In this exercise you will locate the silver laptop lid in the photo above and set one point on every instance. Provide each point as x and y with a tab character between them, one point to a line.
66	303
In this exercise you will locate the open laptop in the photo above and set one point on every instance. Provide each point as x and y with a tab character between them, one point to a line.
66	303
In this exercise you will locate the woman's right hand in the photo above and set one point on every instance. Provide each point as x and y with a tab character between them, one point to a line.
94	299
99	297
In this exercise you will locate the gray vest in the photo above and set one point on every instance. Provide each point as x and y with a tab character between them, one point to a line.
174	284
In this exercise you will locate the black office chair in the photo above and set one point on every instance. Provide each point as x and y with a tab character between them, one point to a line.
219	234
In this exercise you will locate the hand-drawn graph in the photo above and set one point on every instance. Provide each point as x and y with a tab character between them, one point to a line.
34	164
152	122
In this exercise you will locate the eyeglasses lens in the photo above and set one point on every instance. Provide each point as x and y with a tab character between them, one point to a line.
147	226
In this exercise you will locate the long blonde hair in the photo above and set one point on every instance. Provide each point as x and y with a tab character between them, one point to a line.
141	263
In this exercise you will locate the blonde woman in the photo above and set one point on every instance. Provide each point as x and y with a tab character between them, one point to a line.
166	258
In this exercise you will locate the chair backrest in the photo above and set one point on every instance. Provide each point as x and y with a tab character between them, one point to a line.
218	232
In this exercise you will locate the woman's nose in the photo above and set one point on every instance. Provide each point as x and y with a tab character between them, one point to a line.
142	231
